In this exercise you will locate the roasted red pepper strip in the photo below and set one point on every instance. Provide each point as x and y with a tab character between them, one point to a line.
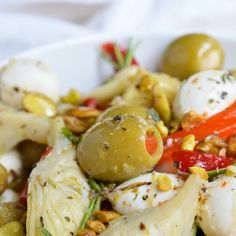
109	49
90	102
94	103
222	124
186	159
23	194
47	152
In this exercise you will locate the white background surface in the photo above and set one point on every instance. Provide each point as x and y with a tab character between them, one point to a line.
38	22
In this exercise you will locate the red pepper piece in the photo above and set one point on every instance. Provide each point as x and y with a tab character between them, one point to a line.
23	194
47	152
151	144
186	159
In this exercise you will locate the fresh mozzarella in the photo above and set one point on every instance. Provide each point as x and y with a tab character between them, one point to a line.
9	196
175	217
141	193
207	92
217	215
12	161
26	75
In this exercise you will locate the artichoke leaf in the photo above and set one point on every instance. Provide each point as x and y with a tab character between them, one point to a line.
175	217
116	86
58	192
16	126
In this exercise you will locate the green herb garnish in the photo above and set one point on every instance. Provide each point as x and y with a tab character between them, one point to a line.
194	229
94	185
45	232
214	173
73	138
154	115
211	173
118	57
93	206
130	53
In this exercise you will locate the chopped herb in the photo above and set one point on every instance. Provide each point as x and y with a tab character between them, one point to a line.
45	232
223	94
145	197
92	207
106	145
216	81
154	115
73	138
176	164
211	100
135	197
117	118
142	226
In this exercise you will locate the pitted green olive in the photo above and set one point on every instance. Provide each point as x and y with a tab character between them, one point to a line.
10	211
192	53
119	148
124	110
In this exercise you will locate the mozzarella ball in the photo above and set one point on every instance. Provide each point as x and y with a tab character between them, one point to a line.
26	75
217	214
206	93
9	196
142	192
12	161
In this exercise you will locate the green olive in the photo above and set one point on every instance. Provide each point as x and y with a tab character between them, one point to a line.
115	149
3	178
190	54
10	211
124	110
14	228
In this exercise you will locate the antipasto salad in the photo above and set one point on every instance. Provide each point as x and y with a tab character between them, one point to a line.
145	153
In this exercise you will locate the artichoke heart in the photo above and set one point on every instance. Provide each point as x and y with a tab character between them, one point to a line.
58	195
16	126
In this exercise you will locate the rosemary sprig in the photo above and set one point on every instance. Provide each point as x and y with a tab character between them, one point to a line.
68	134
109	59
194	229
93	206
94	185
45	232
211	173
119	55
130	53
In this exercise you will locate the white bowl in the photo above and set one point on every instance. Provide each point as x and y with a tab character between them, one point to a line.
78	63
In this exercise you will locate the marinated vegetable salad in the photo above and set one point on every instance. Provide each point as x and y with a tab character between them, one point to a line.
145	153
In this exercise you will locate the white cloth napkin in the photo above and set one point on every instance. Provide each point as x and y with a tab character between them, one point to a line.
213	16
217	17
